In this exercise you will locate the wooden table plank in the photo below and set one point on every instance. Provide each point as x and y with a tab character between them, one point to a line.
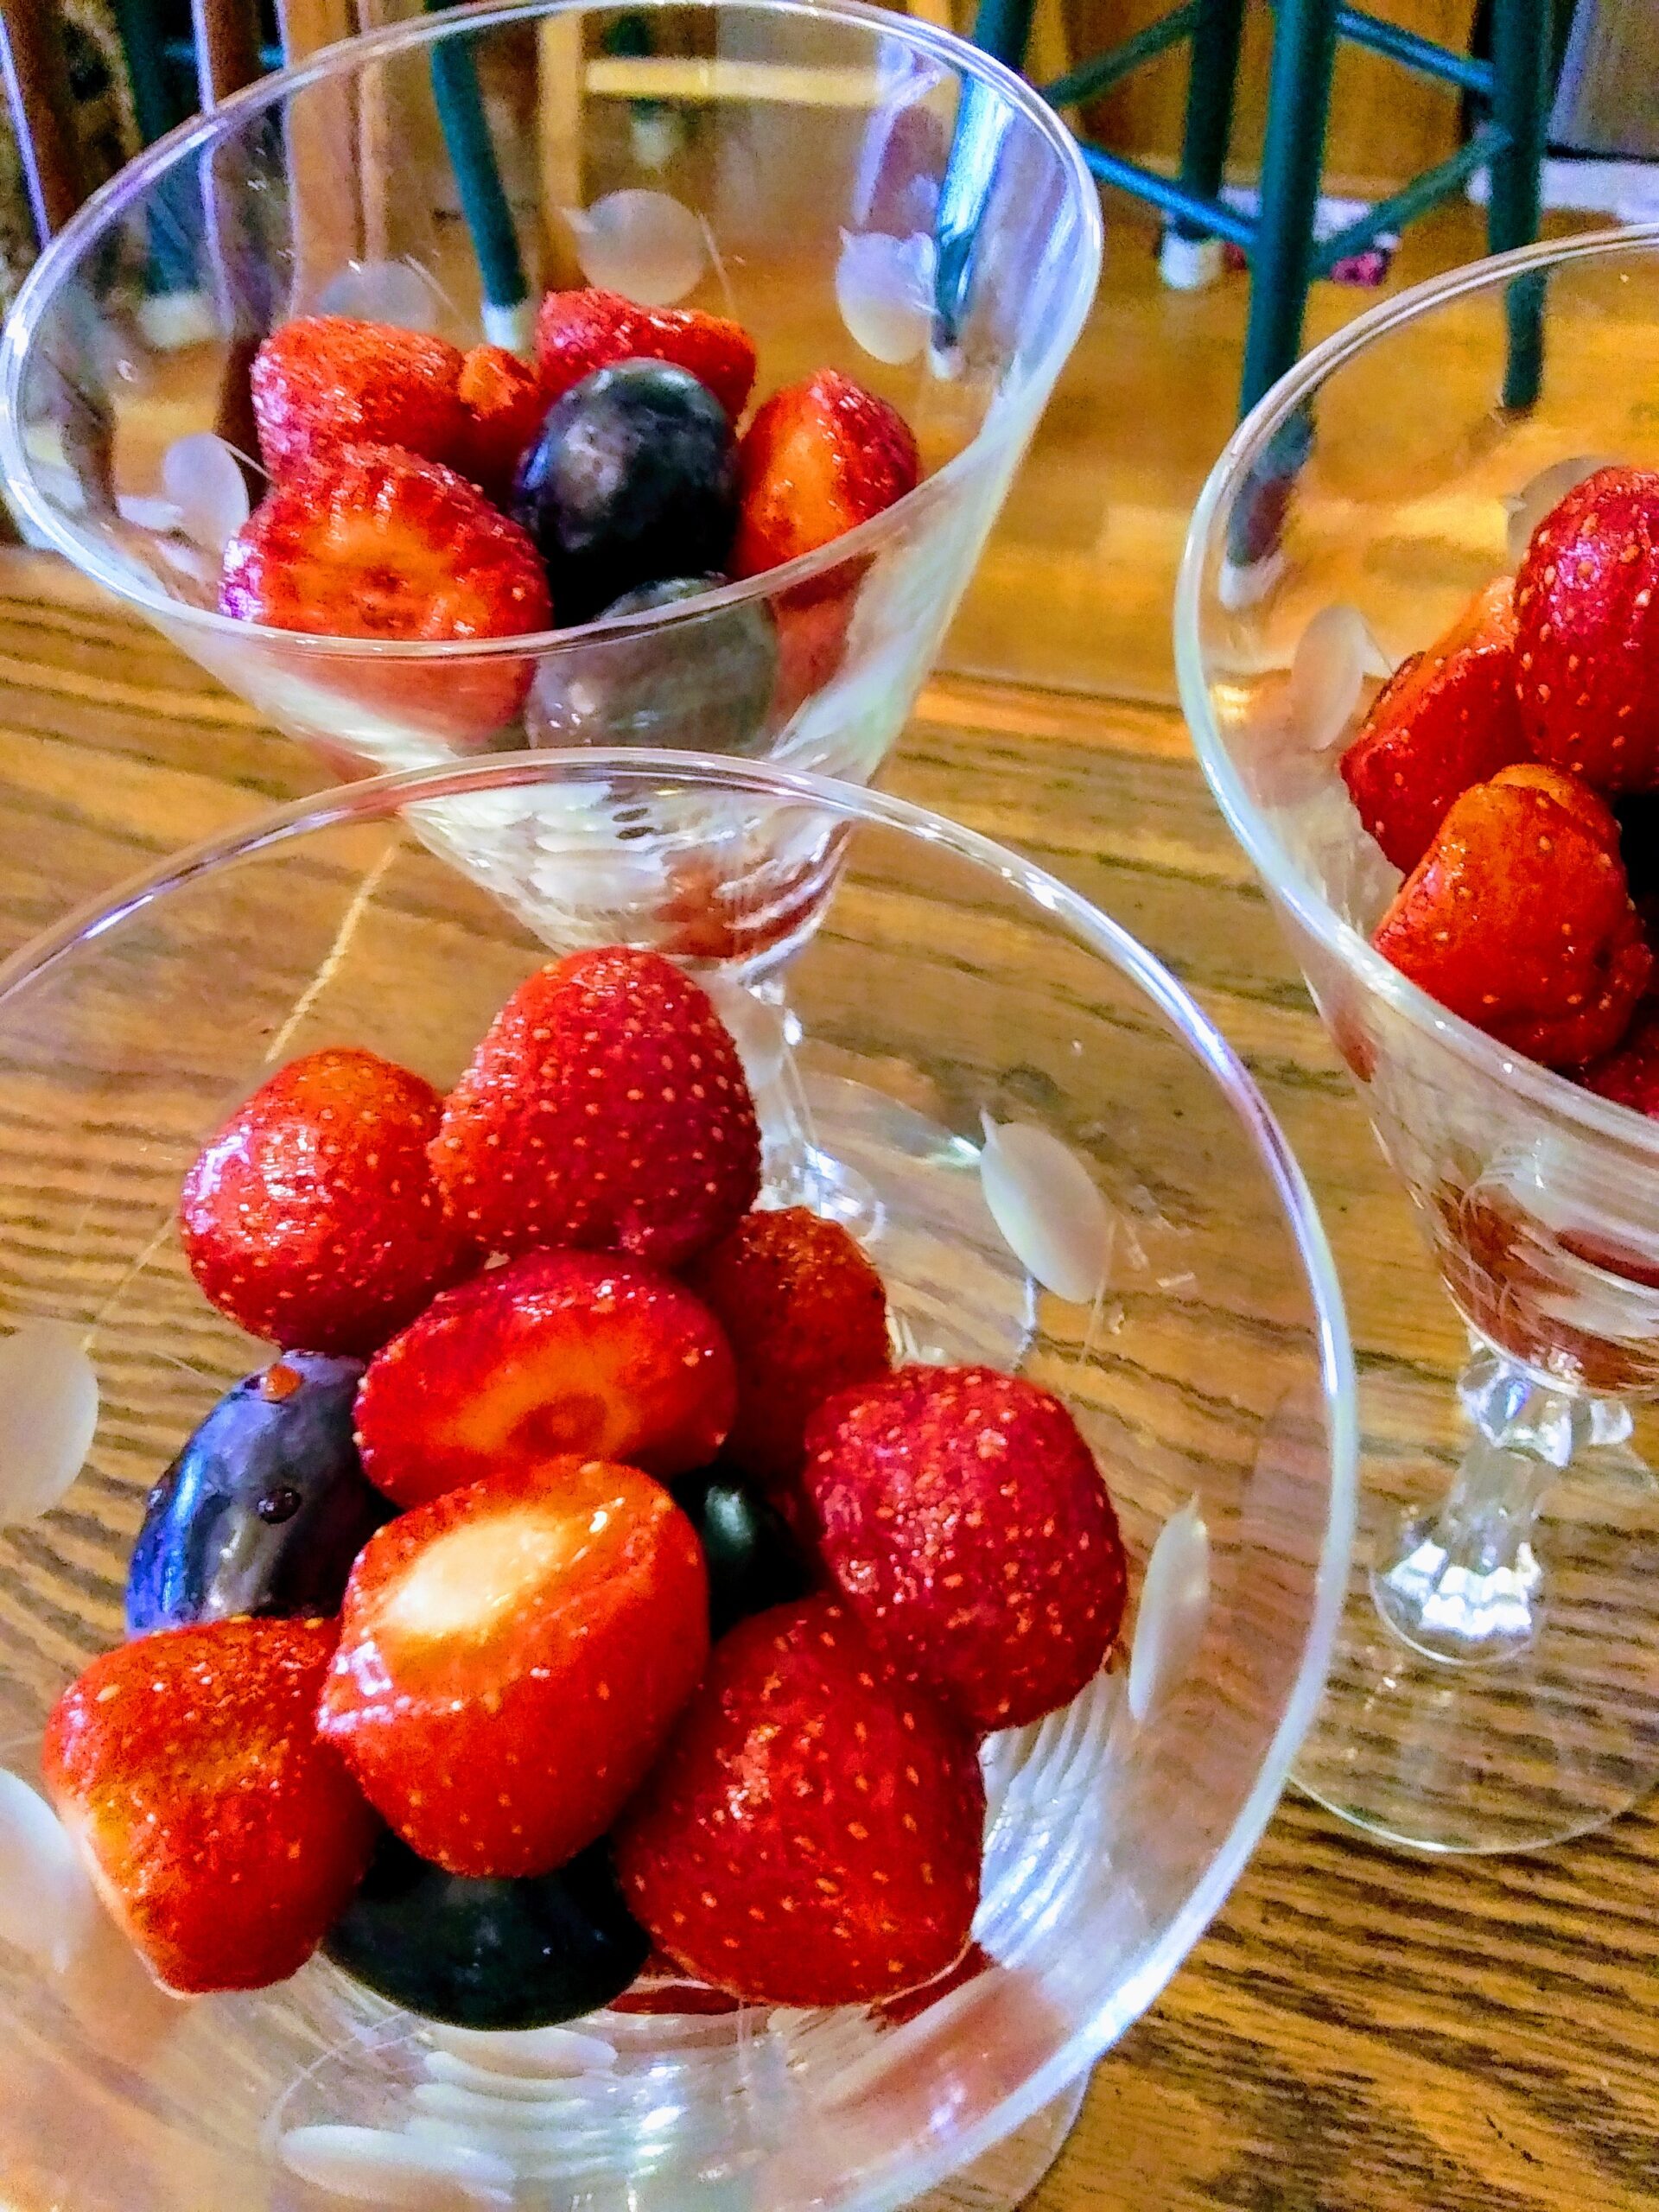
1360	2030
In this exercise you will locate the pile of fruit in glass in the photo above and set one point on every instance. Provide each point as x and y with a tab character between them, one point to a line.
420	494
421	1618
1511	771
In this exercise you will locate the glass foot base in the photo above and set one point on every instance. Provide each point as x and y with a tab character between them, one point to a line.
1557	1736
1007	2174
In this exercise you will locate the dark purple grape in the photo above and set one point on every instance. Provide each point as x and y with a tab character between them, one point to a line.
265	1509
703	684
752	1560
633	479
490	1953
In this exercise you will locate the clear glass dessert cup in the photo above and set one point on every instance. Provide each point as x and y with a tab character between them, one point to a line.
839	178
1094	1194
863	191
1497	1682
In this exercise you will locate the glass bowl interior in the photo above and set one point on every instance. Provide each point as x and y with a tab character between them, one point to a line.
1339	532
864	193
946	987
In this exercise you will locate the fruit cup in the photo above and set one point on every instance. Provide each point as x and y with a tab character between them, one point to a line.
1494	1687
868	197
1092	1195
864	193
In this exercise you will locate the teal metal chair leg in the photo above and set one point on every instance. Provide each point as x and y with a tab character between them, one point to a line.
505	303
1215	37
1299	97
1002	29
1521	75
137	24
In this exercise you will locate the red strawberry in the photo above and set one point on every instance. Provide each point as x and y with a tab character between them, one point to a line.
558	1352
1447	720
806	1315
812	1835
974	1961
312	1217
606	1106
371	542
662	1988
326	380
225	1837
966	1522
581	331
1587	632
1518	918
820	457
511	1658
1629	1074
723	906
503	406
813	627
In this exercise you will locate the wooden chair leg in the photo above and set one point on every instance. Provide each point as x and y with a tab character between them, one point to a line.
227	47
320	124
1299	103
37	88
1521	70
560	85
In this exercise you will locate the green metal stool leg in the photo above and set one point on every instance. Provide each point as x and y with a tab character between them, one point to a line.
1002	29
1521	70
1298	101
1215	37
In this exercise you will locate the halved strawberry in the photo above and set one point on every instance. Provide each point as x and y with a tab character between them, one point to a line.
577	332
813	1833
820	457
312	1217
1518	918
1448	718
503	407
326	381
964	1519
224	1836
805	1314
606	1107
368	541
558	1352
1587	632
511	1658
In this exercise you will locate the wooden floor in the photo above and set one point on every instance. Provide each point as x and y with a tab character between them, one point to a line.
1074	591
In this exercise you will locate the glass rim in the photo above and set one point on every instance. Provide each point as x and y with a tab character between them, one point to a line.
64	252
384	798
1288	883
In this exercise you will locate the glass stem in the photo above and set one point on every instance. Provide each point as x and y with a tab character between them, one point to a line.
1462	1582
795	1169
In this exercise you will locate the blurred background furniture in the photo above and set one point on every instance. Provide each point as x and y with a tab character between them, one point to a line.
1510	91
1604	103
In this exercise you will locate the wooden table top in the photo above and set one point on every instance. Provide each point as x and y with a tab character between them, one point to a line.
1360	2030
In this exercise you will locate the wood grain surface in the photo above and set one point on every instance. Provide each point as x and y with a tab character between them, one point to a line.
1360	2030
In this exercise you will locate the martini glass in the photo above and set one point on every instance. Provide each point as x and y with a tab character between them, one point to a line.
1070	1112
863	191
1497	1684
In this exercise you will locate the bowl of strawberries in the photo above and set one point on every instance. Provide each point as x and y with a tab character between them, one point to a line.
1426	699
540	1669
563	375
